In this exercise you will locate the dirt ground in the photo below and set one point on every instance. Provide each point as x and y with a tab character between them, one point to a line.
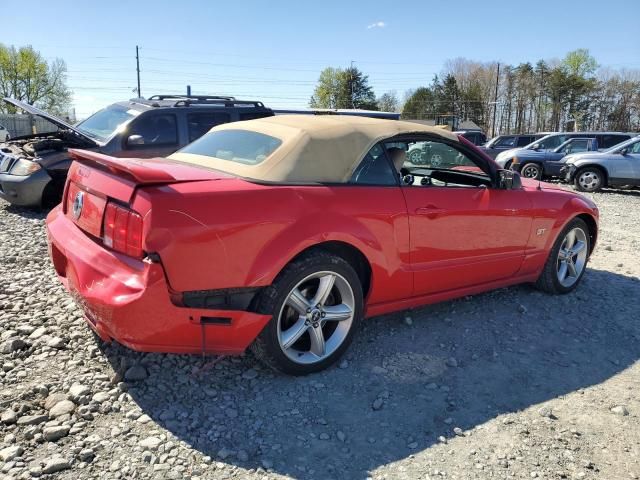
508	384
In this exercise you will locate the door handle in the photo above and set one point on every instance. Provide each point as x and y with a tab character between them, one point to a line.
430	211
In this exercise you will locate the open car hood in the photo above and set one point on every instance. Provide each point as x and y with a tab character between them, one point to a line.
51	118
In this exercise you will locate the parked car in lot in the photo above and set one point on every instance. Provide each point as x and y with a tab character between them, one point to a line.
283	233
474	136
554	140
506	142
4	134
33	168
547	163
617	167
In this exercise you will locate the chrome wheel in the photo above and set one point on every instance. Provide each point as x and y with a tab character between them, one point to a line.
415	156
572	257
531	171
316	317
436	160
589	180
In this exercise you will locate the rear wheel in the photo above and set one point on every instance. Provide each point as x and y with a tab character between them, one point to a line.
567	260
316	304
415	156
589	179
531	170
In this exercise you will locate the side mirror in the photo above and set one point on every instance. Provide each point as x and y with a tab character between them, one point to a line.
135	140
536	146
509	180
624	151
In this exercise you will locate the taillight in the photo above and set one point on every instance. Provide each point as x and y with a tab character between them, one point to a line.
122	230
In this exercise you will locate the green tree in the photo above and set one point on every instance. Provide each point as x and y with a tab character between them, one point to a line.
348	88
420	105
25	75
388	102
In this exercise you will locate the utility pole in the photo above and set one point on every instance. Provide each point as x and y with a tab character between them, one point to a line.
188	90
540	120
495	103
138	70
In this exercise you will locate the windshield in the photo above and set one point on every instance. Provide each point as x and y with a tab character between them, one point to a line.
101	125
240	146
627	144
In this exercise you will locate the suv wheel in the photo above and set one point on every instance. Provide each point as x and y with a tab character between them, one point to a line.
589	179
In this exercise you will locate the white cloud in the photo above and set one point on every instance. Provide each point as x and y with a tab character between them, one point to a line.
377	25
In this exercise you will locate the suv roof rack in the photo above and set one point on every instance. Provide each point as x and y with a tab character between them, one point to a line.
195	97
186	100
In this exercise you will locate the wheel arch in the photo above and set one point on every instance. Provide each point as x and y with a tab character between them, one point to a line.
593	229
347	252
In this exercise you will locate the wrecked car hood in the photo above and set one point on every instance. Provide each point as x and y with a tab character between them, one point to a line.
51	118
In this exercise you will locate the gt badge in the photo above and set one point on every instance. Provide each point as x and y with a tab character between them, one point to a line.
541	231
78	202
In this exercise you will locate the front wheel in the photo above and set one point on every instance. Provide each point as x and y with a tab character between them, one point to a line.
316	304
589	180
567	260
531	170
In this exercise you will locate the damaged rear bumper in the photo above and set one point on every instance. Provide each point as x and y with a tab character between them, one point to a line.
128	300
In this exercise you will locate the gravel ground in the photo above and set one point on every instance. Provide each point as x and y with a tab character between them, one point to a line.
509	384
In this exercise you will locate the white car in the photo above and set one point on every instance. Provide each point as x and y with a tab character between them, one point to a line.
4	134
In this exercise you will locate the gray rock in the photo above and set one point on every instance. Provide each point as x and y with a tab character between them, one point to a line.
13	344
86	454
341	436
343	364
620	410
54	398
451	362
243	456
324	436
9	417
55	464
150	443
545	412
377	404
224	453
65	407
52	434
32	419
77	390
9	453
250	374
101	397
56	342
37	333
136	373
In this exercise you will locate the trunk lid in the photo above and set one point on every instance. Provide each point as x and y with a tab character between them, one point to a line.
94	179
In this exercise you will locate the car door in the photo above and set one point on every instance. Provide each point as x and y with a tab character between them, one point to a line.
624	169
462	235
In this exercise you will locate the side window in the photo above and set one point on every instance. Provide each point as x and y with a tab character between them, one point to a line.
375	169
524	141
577	146
608	141
155	130
254	115
506	142
200	123
635	148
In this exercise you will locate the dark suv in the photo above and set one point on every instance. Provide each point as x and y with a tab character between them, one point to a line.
506	142
33	168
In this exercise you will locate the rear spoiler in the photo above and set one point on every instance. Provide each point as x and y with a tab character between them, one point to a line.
142	171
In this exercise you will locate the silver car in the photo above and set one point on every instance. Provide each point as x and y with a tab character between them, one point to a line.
619	166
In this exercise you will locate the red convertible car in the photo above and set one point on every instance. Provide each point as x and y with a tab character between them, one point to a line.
283	233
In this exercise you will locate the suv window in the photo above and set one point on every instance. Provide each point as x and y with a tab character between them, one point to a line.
158	129
553	141
201	123
523	141
608	141
509	141
576	146
375	169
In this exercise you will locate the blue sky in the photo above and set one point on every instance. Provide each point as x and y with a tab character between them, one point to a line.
274	51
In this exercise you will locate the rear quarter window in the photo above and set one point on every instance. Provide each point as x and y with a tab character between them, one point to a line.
240	146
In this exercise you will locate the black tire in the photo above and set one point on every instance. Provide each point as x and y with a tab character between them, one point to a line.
266	346
531	170
548	280
594	174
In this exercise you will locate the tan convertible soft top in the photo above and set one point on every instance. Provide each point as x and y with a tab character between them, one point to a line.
315	148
